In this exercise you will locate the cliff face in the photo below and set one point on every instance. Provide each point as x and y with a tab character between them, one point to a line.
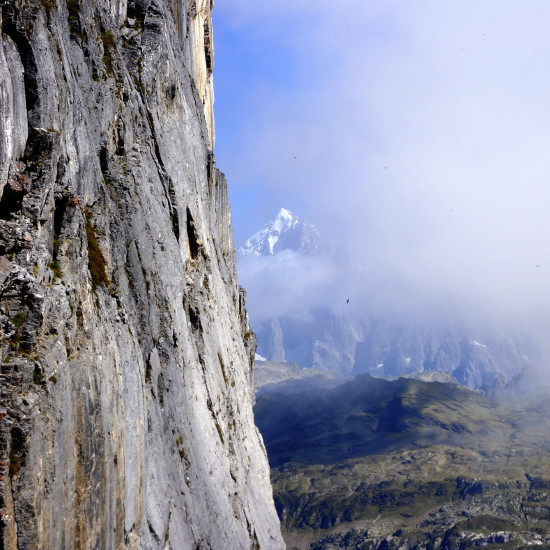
125	388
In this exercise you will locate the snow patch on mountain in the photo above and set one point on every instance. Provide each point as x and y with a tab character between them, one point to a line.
286	231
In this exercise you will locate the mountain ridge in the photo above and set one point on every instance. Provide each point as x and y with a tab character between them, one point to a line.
343	331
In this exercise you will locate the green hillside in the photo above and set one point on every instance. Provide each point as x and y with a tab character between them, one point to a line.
427	464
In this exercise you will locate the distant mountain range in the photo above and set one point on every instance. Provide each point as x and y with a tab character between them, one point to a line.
351	340
373	441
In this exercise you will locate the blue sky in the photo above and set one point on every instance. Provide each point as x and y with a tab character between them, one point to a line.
416	132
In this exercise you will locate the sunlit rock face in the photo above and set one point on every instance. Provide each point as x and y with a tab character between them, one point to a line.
125	387
194	27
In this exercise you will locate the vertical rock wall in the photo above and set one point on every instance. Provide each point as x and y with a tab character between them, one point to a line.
194	28
125	400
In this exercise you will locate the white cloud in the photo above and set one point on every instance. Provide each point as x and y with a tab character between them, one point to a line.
289	284
418	132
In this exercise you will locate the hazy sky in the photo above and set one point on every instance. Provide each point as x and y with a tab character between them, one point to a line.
418	132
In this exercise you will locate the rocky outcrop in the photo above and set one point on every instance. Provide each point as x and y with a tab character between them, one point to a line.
125	387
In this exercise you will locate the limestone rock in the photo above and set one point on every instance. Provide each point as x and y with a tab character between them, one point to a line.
125	388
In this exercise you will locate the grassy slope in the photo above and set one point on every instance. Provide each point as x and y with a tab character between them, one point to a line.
406	457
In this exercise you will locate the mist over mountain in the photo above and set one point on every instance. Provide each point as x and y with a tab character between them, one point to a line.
312	302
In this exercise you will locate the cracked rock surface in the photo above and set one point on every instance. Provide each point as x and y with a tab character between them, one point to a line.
125	384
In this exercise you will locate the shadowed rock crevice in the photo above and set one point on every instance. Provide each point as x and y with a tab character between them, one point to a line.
12	196
192	237
17	33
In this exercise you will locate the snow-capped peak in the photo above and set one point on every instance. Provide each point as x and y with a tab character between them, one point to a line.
284	220
286	231
285	215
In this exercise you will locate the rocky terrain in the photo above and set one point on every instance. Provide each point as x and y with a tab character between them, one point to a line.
126	356
376	464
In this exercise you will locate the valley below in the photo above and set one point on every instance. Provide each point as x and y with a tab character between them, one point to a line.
409	464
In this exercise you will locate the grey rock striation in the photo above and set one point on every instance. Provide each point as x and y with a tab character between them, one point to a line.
125	387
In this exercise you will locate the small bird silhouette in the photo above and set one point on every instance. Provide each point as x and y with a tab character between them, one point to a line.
347	301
